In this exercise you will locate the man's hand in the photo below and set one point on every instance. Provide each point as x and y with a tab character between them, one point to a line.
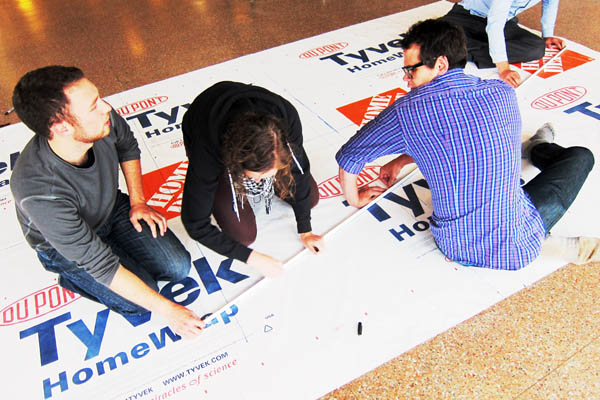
357	197
508	75
555	42
267	265
152	217
312	242
367	193
389	172
139	209
183	321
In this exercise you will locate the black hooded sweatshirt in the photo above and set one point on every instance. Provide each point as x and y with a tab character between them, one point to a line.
203	126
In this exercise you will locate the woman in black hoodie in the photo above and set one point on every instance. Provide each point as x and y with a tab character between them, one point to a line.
244	141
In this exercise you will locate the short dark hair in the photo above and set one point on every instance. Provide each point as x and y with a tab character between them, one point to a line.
39	97
438	37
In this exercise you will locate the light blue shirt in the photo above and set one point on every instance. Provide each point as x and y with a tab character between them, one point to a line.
498	12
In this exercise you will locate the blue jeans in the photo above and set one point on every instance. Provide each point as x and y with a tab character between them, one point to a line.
563	172
150	259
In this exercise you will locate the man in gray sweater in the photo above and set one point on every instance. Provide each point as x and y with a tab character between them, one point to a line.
105	245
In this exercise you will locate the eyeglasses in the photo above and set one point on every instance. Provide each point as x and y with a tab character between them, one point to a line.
409	69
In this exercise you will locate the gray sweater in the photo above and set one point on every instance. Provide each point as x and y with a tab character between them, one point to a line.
61	206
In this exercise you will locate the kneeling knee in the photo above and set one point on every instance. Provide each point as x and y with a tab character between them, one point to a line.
179	267
584	156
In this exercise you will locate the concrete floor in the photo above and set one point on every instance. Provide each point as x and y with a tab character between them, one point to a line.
541	343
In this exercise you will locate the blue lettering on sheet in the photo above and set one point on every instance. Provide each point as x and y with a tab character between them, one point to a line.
224	316
91	340
187	285
144	117
583	108
4	168
225	272
183	292
362	54
160	341
46	337
208	277
411	201
62	382
404	232
378	212
164	332
86	373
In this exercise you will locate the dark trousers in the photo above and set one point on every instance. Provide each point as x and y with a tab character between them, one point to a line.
244	230
150	259
563	172
521	45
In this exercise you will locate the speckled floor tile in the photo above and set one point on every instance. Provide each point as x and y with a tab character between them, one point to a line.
577	378
585	278
498	354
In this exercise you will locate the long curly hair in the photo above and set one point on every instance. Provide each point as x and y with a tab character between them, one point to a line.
258	142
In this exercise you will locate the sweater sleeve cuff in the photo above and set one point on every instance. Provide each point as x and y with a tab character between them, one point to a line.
304	225
106	276
241	253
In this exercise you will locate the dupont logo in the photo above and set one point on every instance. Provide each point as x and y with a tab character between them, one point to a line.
37	304
141	105
568	60
559	98
323	50
332	188
362	111
164	188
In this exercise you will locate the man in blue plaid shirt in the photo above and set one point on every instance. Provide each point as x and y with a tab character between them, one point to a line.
464	134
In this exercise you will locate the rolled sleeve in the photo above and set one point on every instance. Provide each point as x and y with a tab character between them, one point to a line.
126	143
347	162
496	20
549	13
380	137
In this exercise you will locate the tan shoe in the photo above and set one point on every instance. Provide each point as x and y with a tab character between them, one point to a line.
589	250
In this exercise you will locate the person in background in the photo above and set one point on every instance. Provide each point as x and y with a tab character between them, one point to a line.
494	37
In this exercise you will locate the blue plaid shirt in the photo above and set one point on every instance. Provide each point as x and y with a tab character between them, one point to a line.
464	133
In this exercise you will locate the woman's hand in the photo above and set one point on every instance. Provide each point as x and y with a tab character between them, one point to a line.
315	243
266	265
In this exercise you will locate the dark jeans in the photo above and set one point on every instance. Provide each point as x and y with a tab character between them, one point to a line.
244	230
563	172
521	45
150	259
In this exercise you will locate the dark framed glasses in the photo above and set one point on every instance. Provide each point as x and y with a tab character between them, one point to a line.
409	69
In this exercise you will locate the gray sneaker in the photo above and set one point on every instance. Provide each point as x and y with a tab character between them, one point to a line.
543	135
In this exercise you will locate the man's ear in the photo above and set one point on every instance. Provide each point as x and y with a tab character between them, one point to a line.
61	128
441	65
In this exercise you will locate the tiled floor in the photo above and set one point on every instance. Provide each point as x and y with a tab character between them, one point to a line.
541	343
